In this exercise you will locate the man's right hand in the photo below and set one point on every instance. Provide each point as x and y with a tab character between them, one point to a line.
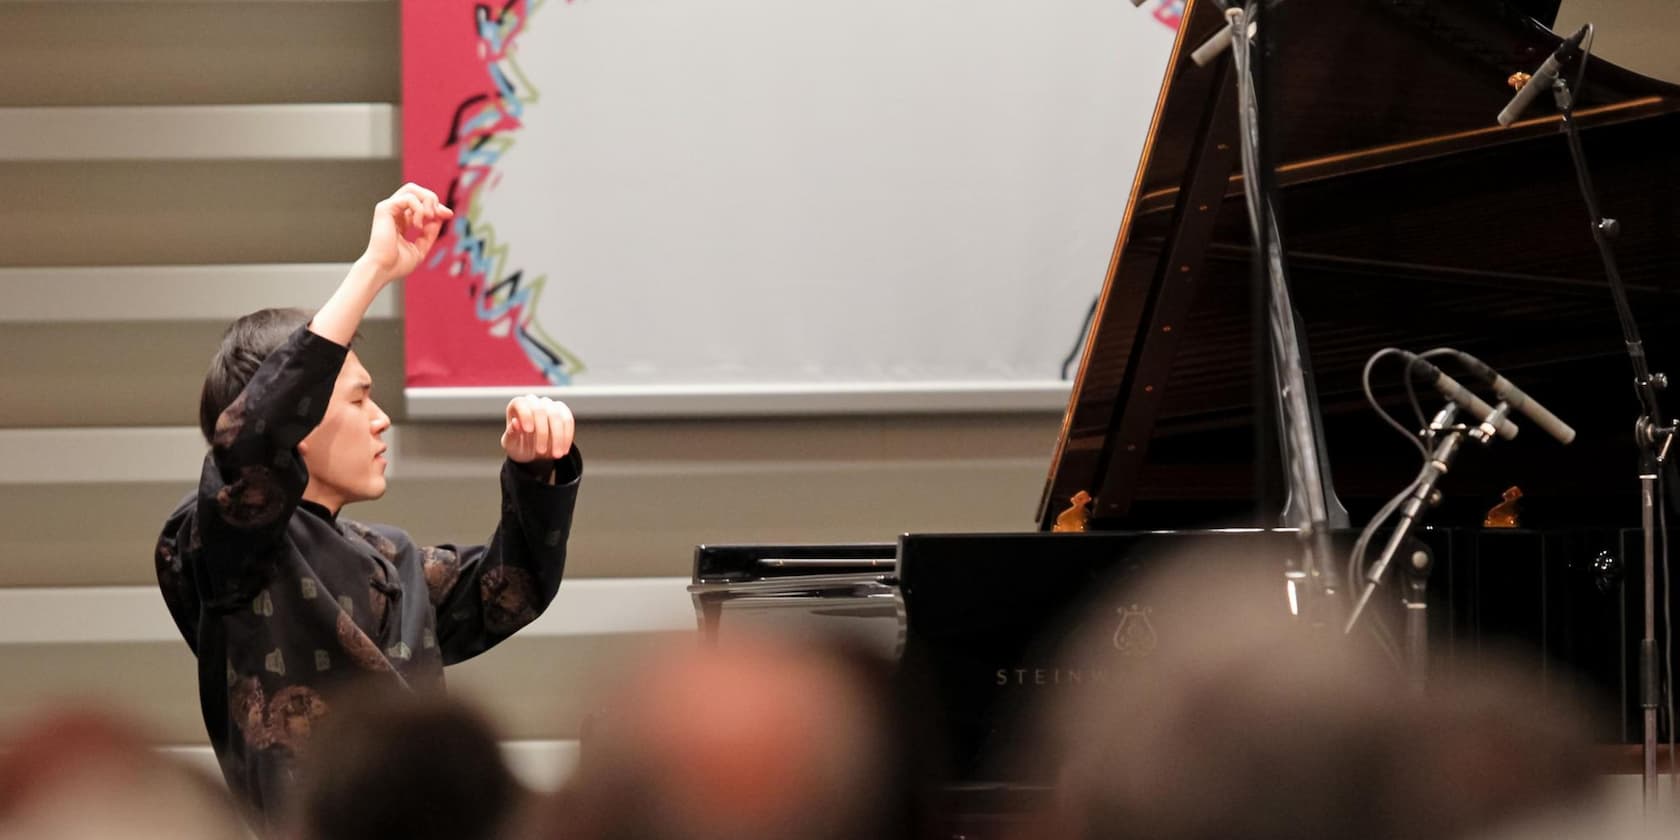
404	228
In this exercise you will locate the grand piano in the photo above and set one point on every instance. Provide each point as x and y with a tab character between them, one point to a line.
1410	219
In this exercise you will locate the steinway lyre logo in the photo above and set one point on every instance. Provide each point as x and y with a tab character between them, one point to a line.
1134	635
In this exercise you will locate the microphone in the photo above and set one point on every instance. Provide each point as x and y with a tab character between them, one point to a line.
1212	47
1543	78
1220	41
1452	390
1510	393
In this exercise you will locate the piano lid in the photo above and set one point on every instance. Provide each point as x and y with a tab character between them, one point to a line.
1410	219
1544	11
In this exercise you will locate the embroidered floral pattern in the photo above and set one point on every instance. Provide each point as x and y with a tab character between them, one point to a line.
359	647
510	599
230	423
292	715
249	706
284	721
442	569
380	543
170	575
256	499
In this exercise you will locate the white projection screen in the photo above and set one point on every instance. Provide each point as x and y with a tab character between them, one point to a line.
712	207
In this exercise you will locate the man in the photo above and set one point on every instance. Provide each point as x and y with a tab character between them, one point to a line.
281	599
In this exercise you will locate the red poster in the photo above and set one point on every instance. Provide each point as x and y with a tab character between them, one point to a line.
469	310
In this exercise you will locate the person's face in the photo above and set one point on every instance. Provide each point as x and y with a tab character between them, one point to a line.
345	454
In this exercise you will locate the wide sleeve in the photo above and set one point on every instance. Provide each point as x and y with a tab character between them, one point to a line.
484	593
253	477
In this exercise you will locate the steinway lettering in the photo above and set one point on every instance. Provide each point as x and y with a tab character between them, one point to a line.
1050	676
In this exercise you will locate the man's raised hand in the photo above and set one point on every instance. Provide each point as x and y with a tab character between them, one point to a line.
538	429
404	228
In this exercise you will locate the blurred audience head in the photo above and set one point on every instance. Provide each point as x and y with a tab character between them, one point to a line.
391	763
80	774
1239	721
751	740
1205	712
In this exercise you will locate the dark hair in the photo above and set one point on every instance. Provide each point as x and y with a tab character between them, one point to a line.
390	763
245	344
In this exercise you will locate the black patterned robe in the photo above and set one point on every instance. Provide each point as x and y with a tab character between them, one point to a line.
280	601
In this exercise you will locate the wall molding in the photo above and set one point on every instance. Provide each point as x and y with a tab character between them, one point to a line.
172	293
123	615
321	131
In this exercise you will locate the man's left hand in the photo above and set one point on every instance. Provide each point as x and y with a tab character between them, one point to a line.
538	429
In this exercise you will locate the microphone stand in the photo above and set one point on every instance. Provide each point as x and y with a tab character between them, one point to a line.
1651	435
1424	493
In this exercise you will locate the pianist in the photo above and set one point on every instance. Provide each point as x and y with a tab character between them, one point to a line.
281	598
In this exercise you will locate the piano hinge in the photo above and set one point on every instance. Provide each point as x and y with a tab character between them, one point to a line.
1078	512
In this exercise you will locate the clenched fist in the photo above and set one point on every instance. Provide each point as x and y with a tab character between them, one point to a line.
538	429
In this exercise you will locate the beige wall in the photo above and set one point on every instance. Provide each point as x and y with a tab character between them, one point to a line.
96	412
1637	34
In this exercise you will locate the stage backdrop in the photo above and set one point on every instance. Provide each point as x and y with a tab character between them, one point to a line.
761	206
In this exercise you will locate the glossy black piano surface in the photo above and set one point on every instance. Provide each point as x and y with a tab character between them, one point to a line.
979	621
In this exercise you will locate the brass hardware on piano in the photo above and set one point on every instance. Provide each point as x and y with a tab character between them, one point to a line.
1504	514
1074	518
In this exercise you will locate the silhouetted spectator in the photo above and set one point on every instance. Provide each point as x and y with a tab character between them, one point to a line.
75	775
1240	722
396	764
748	741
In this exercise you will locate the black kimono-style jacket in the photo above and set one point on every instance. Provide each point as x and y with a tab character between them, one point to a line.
281	601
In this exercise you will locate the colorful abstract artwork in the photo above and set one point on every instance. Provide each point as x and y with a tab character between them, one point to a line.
463	63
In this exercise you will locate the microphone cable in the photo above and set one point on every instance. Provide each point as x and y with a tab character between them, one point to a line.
1355	563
